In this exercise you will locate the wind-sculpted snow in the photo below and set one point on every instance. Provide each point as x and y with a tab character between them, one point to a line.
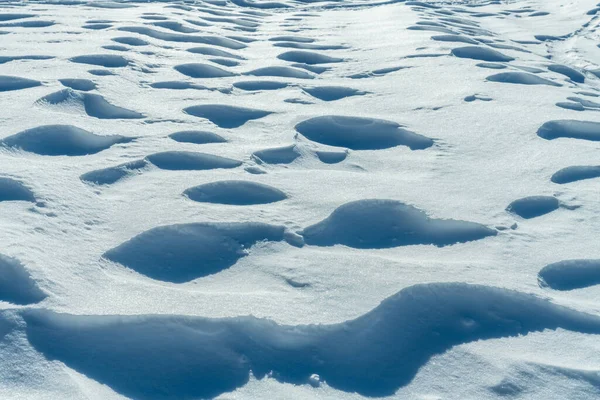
277	155
210	51
196	70
331	157
16	285
197	137
225	116
84	85
61	140
168	167
586	130
332	93
481	53
181	253
285	72
103	60
521	78
94	105
159	357
235	193
569	72
185	38
533	206
130	40
7	59
188	160
360	133
259	85
308	57
12	190
570	274
8	83
108	176
377	224
576	173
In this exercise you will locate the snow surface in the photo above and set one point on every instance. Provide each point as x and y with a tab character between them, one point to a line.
299	199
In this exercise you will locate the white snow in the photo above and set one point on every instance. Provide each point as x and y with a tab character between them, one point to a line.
250	199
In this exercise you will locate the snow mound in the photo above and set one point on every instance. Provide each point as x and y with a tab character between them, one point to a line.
360	133
225	116
277	155
235	193
569	72
259	85
285	72
9	83
197	70
103	60
108	176
521	78
84	85
11	190
332	93
570	274
188	160
197	137
210	51
160	357
331	157
481	53
308	57
377	224
183	38
94	105
576	173
61	140
16	285
533	206
184	252
586	130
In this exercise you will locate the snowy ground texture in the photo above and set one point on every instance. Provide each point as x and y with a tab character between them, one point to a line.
243	199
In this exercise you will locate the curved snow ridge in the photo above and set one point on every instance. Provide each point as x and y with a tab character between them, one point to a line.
103	60
570	274
197	137
533	206
61	140
225	116
110	175
184	38
12	190
184	252
10	83
198	70
332	93
94	105
16	284
377	224
189	160
586	130
308	57
480	53
576	173
567	71
360	133
284	72
373	355
235	192
277	155
84	85
521	78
